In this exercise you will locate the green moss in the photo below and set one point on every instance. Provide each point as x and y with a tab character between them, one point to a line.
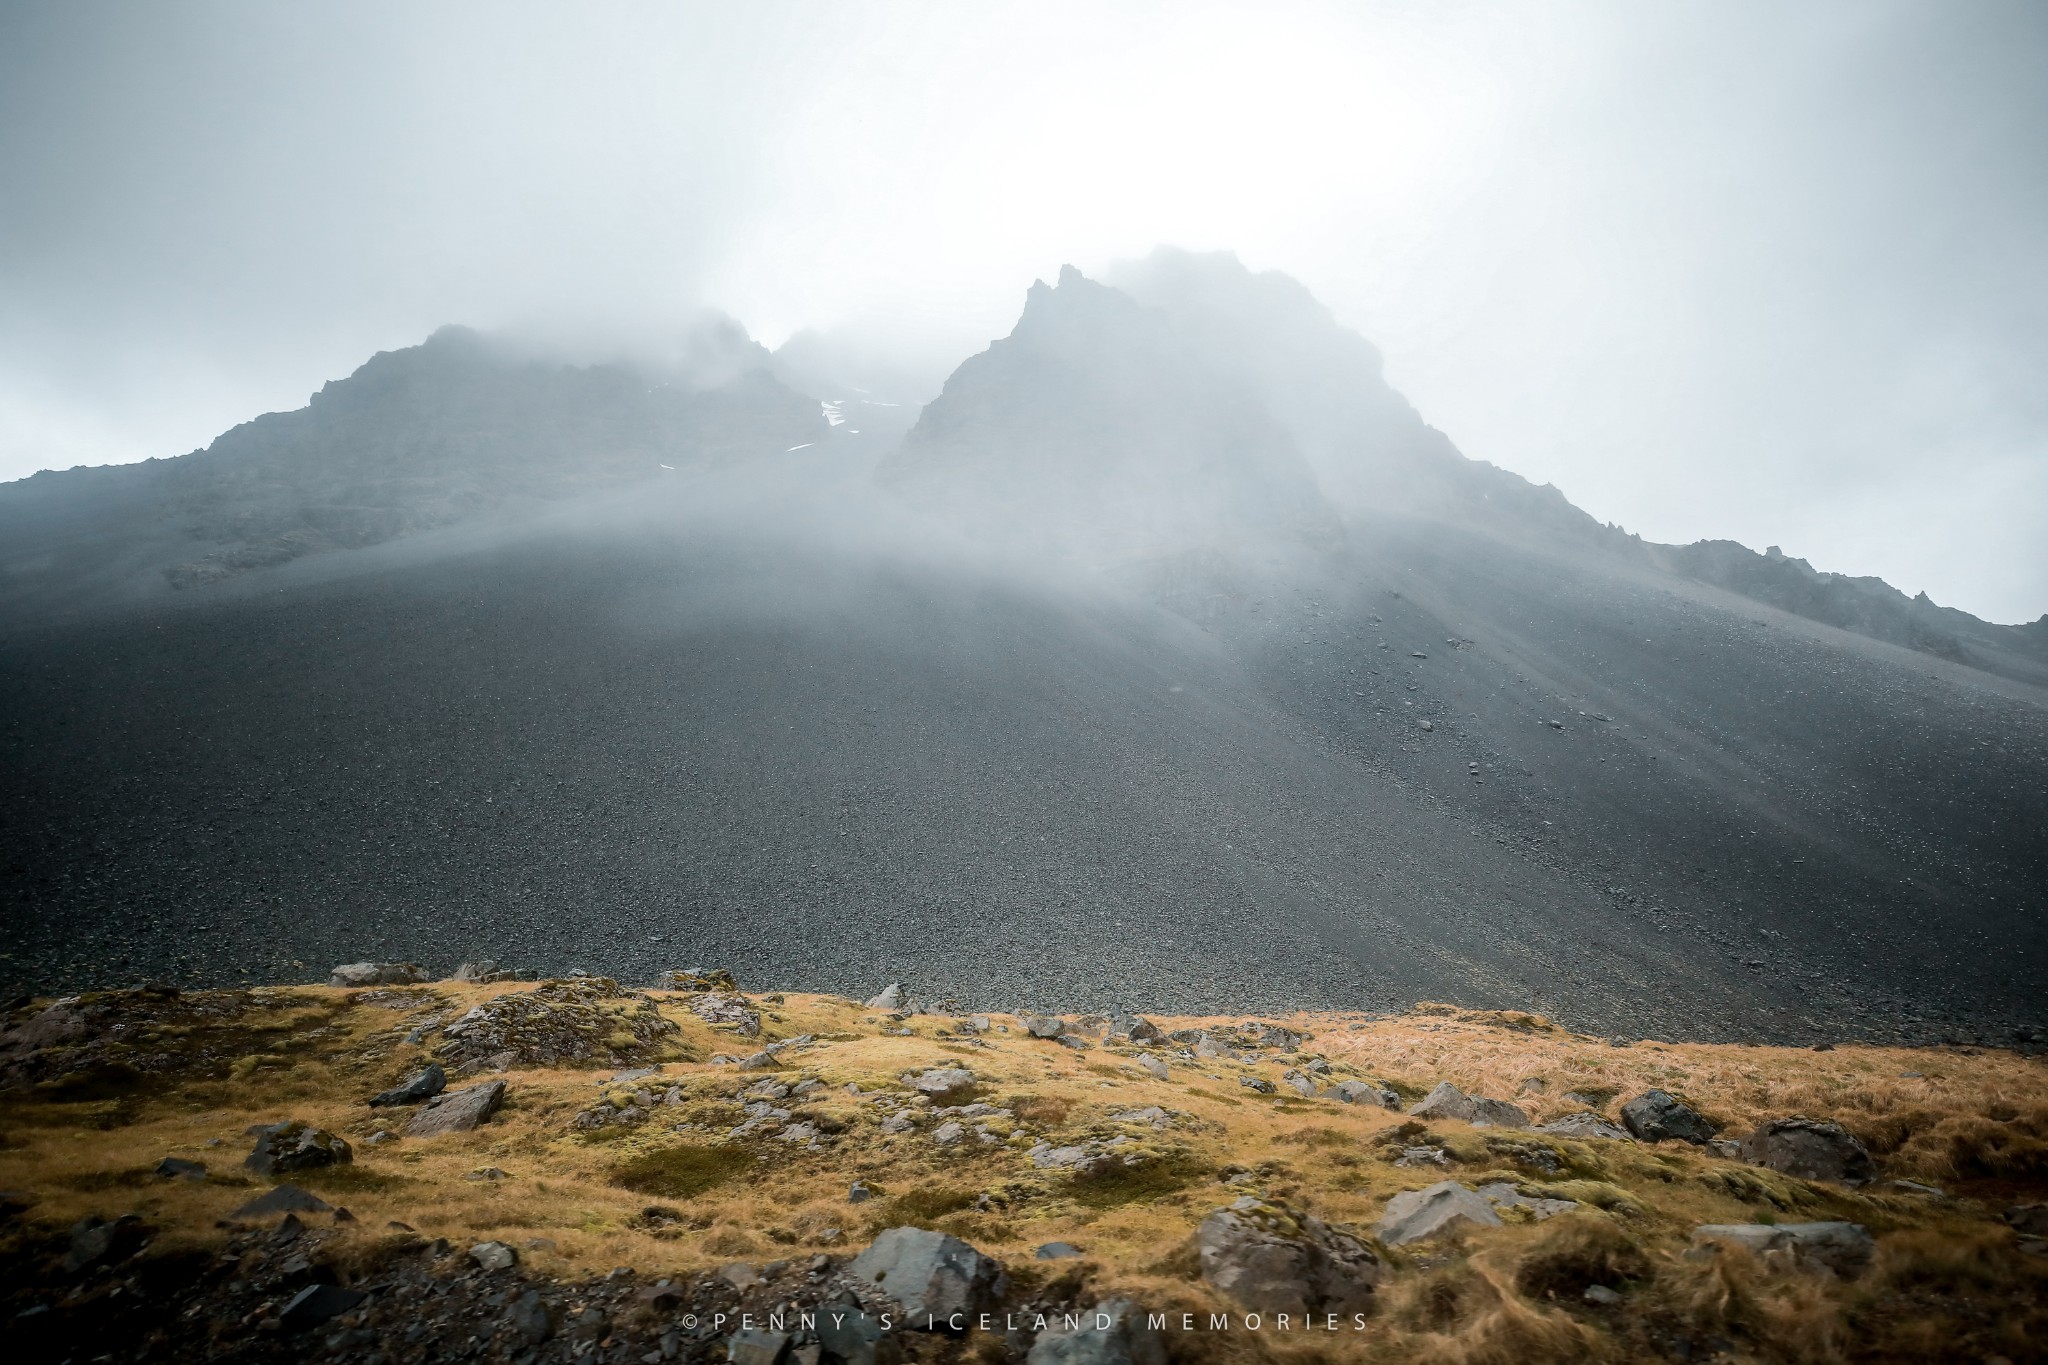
1120	1184
681	1172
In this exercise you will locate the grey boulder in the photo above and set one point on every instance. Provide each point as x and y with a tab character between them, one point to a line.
1443	1207
889	998
457	1111
1657	1115
1272	1259
1810	1149
943	1083
1113	1332
929	1274
493	1256
1365	1092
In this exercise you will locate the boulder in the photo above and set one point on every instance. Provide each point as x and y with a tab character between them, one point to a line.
1057	1251
852	1337
177	1168
1843	1249
945	1084
1506	1196
1581	1126
493	1256
754	1347
295	1146
483	971
315	1304
530	1318
2028	1220
1809	1149
1143	1030
377	974
457	1111
1300	1084
1657	1115
890	998
927	1272
1449	1102
95	1240
1442	1207
283	1199
1043	1025
1366	1092
1155	1066
1113	1332
1269	1258
417	1088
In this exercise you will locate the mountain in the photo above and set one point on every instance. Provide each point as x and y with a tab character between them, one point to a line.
427	436
1171	661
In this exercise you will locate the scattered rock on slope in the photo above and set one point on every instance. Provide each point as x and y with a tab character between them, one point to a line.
422	1085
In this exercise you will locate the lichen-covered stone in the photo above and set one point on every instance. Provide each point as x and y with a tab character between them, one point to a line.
1273	1259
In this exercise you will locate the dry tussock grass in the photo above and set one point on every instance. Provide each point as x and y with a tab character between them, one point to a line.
680	1203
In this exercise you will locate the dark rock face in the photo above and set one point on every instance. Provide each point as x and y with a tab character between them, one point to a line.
753	603
417	1088
1810	1149
930	1274
1656	1115
296	1146
1273	1259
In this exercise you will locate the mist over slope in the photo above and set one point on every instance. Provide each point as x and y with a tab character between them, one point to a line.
1171	660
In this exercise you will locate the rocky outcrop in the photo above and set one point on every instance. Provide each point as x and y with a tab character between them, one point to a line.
578	1021
1270	1258
728	1011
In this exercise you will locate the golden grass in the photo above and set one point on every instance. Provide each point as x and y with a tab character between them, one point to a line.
678	1203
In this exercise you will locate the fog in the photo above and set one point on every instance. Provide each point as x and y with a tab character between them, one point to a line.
1715	270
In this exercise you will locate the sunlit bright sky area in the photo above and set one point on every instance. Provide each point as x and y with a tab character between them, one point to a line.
1774	273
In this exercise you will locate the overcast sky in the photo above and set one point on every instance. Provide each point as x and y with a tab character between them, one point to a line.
1774	272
